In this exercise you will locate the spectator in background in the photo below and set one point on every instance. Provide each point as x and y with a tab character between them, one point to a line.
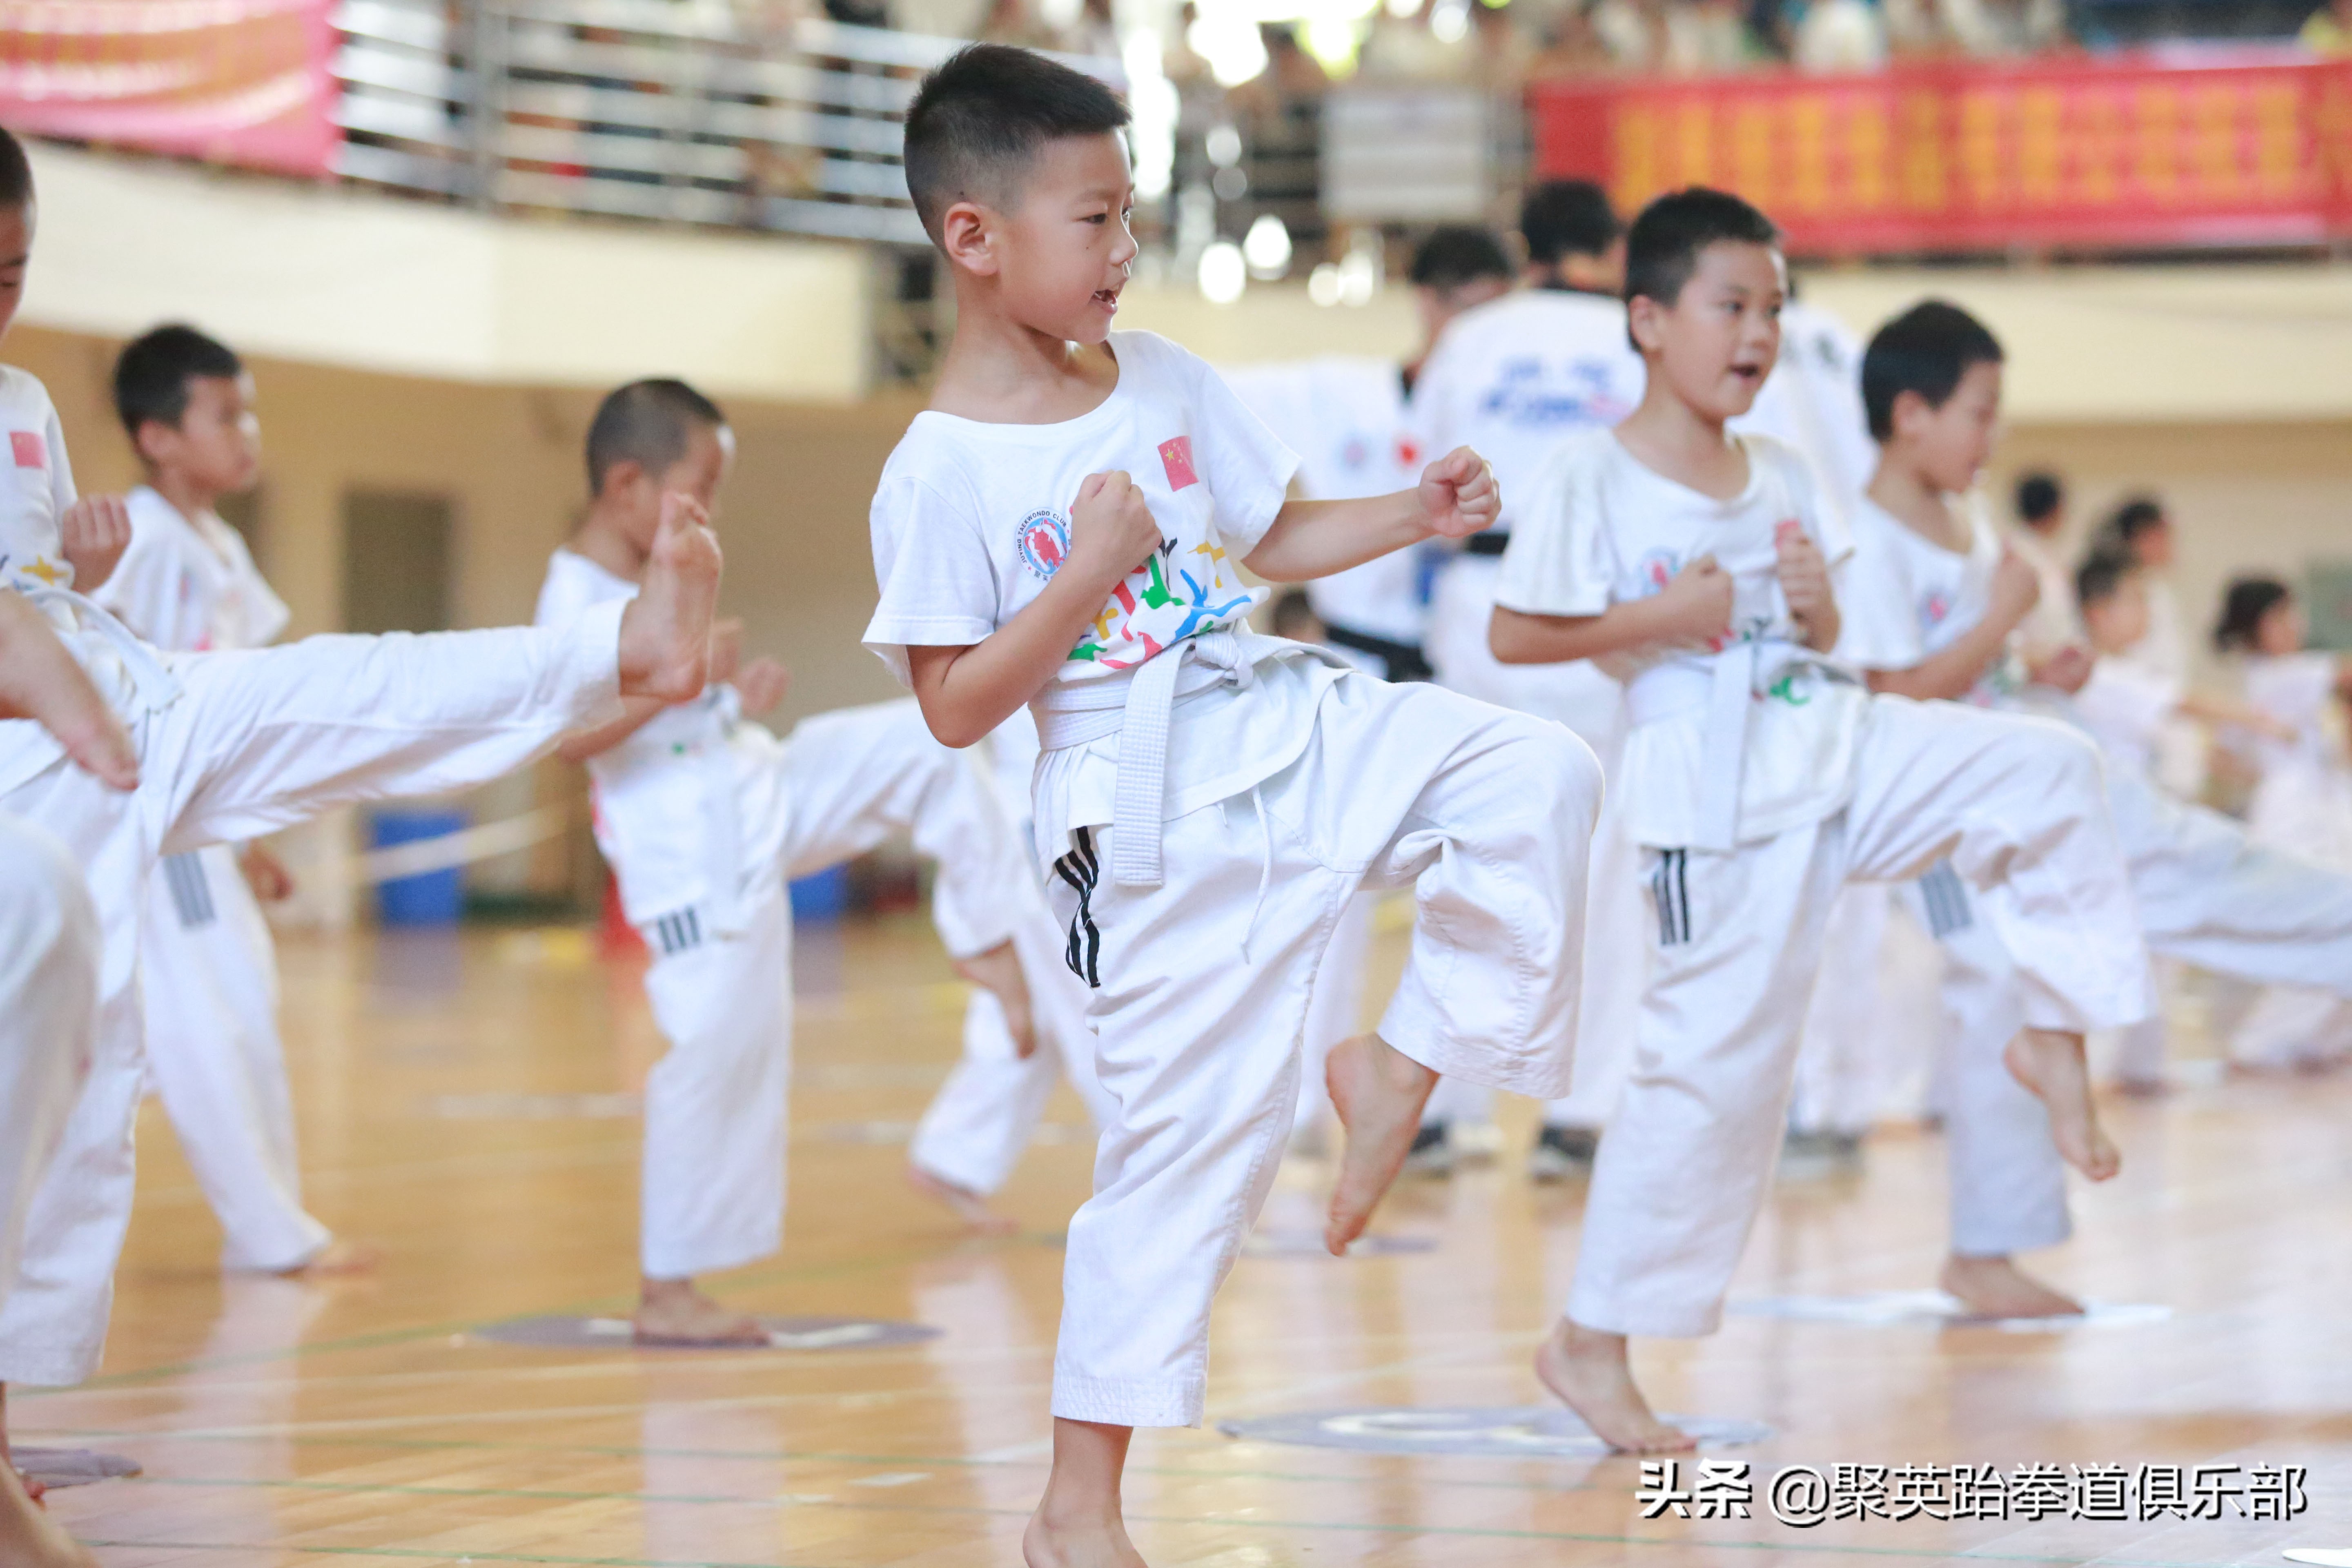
1093	33
1011	22
1990	29
1572	46
2328	31
1839	36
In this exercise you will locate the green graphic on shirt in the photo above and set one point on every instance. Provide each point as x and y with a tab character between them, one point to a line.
1785	688
1157	596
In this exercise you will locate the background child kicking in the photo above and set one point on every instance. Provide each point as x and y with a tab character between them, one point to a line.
704	817
1061	528
187	583
1761	778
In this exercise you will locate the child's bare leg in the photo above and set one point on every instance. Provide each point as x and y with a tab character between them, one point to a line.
2050	1063
29	1537
1588	1370
1998	1287
1378	1093
673	1312
968	1205
666	630
1078	1523
998	973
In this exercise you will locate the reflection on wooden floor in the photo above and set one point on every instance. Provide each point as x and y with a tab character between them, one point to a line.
465	1106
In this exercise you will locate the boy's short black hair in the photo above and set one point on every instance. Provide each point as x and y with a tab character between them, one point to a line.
1662	248
15	171
980	119
2039	496
153	373
648	423
1561	218
2140	514
2247	600
1458	254
1926	350
2101	574
1294	617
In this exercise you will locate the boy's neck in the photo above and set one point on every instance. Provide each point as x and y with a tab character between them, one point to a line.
188	498
601	537
1908	496
1683	444
1000	371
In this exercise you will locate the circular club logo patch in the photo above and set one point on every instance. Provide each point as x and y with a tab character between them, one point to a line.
1044	540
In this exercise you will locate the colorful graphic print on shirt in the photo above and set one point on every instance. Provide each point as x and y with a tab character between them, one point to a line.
1167	598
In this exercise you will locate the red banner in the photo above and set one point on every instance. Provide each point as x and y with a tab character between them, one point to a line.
235	82
2247	150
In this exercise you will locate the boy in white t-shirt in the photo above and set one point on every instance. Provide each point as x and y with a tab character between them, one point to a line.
1061	528
233	745
1761	778
704	816
209	970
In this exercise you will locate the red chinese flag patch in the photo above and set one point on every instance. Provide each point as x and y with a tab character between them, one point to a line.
28	447
1176	457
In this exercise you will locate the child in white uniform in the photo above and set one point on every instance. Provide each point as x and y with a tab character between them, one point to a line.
231	745
705	816
1763	777
2302	801
187	583
48	990
1064	525
1513	379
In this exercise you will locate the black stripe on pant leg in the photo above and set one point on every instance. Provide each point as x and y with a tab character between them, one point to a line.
191	893
1682	893
1082	871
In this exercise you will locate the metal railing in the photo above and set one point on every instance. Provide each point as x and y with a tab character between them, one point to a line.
693	111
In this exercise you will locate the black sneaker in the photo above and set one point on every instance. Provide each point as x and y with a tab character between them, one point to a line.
1431	1153
1563	1153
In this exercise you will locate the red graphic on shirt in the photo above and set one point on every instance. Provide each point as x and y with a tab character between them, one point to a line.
1408	452
29	450
1176	457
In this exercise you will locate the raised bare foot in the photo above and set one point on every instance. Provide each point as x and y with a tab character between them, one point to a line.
1098	1543
666	630
673	1312
29	1537
336	1258
1998	1287
966	1204
1378	1093
1588	1370
998	973
2051	1064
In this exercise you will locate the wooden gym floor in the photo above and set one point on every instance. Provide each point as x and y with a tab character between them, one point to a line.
464	1108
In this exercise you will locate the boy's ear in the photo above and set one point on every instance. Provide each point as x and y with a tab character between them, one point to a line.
968	237
1904	413
1644	316
149	439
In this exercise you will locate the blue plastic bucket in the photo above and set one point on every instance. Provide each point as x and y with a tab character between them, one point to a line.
433	898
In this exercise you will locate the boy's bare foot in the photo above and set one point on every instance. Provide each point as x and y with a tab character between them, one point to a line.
2050	1063
29	1537
1588	1370
1079	1522
336	1258
966	1204
666	630
998	973
673	1312
1378	1093
1998	1287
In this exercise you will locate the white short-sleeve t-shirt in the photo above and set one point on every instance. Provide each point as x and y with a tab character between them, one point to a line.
671	801
189	584
1812	401
1345	415
1518	375
38	487
973	519
1906	598
1603	529
2125	706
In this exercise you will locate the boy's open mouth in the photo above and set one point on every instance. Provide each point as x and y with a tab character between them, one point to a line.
1107	297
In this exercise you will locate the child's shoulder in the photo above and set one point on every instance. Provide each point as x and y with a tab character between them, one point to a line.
21	392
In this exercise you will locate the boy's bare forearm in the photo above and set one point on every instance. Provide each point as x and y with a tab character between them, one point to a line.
1516	638
1311	539
966	692
637	712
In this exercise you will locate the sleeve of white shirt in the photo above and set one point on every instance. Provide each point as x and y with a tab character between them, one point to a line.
61	479
1562	558
931	560
1878	627
1246	466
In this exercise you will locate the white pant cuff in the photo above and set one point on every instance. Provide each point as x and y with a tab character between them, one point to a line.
2007	1241
1179	1402
33	1367
692	1263
1418	1034
1651	1322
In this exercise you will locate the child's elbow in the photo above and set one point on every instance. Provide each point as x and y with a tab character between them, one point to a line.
1507	640
949	728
